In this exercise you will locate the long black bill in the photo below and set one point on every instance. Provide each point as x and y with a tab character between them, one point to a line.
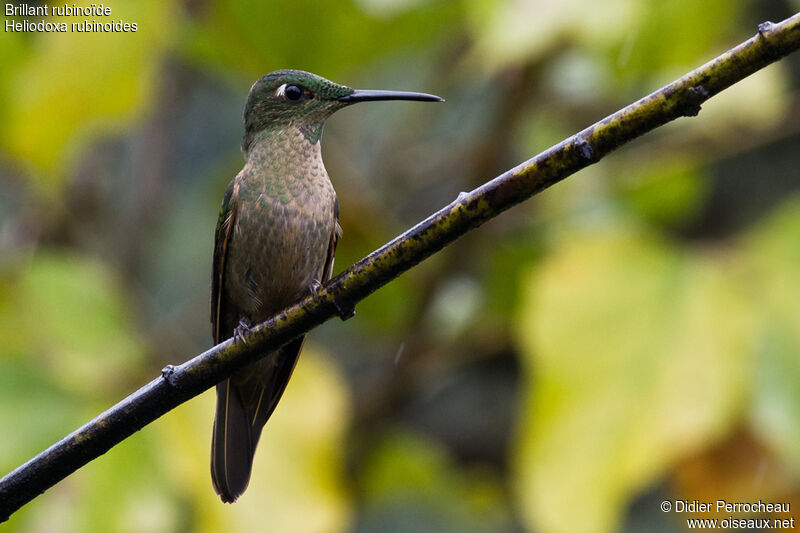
371	96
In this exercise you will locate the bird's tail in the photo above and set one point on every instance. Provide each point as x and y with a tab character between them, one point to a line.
243	407
232	445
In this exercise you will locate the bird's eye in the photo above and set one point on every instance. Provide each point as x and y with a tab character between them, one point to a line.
293	92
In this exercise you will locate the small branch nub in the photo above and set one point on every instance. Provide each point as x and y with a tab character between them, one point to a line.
168	373
345	312
765	27
584	148
697	95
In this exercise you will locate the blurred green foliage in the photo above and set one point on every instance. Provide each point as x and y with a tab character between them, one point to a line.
629	336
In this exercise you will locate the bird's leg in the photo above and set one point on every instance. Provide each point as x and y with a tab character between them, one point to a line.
241	330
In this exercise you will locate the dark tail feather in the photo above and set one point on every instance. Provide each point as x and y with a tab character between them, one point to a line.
237	428
273	389
231	447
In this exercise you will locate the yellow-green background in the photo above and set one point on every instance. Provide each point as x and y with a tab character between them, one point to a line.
629	336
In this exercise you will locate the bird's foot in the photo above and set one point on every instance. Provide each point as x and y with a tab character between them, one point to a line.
315	288
241	330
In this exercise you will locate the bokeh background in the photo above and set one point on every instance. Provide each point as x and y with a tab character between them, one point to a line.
628	336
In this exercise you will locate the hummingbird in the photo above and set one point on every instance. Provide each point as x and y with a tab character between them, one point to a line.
275	241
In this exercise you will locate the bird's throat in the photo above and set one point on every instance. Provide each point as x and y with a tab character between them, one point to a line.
312	131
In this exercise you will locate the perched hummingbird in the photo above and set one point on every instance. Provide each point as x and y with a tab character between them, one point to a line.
275	241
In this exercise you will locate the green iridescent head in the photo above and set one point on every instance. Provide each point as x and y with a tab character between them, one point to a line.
299	99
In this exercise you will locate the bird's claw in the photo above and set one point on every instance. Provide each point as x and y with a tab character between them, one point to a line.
241	331
315	288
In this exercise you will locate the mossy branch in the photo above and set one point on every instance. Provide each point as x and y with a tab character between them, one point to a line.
178	384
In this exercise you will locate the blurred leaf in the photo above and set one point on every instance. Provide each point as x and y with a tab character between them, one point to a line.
68	345
406	464
68	316
411	484
773	250
636	354
386	310
523	30
666	191
297	483
509	262
254	38
577	76
386	8
756	104
123	491
34	412
737	470
13	53
81	84
668	37
141	501
454	308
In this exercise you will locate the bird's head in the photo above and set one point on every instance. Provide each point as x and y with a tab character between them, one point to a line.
298	99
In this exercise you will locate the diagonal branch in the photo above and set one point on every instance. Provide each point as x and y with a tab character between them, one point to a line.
178	384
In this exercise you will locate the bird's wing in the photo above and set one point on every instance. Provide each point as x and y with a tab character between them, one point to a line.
335	234
222	238
231	429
